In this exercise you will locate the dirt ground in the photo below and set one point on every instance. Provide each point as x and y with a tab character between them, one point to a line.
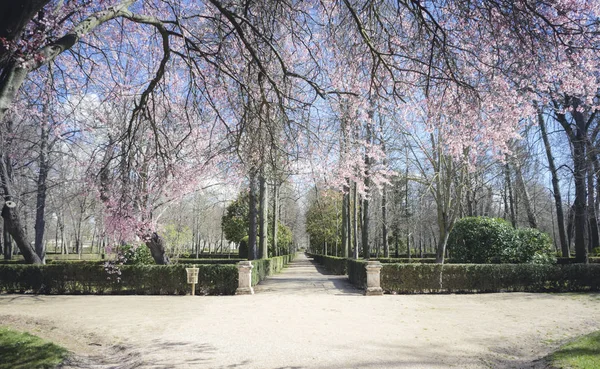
321	323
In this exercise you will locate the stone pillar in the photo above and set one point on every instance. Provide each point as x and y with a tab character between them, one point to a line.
245	278
373	278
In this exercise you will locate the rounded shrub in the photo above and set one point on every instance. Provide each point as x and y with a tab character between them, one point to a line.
531	246
480	240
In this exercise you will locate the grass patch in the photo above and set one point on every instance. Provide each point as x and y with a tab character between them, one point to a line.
20	350
583	353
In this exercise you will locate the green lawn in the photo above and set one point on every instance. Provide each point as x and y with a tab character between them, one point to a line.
20	350
583	353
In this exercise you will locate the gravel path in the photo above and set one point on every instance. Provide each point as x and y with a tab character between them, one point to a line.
305	319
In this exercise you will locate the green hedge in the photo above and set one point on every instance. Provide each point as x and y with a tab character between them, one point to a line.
266	267
592	260
471	278
333	264
185	261
192	255
406	260
208	261
357	273
90	278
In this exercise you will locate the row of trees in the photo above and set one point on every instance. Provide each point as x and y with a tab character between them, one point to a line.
533	186
144	103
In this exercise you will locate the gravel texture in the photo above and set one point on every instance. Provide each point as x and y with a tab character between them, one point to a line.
304	318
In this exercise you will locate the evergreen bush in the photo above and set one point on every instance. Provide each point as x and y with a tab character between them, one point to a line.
482	240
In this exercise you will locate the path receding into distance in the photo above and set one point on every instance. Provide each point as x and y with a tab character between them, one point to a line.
304	277
305	319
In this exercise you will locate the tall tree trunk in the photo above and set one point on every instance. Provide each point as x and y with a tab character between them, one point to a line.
156	244
578	138
365	229
580	205
8	248
252	215
275	217
263	250
560	217
525	194
40	212
12	221
345	223
384	228
511	202
355	222
442	241
592	217
366	200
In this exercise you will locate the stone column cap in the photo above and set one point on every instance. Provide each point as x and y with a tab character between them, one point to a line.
245	264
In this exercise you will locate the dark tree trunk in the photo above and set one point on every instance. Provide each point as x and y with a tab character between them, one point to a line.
511	202
355	222
578	138
531	219
156	244
560	217
8	249
580	206
384	228
365	230
275	218
592	217
365	202
263	250
345	240
12	221
252	215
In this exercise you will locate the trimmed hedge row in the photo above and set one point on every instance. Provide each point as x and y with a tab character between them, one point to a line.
233	255
88	278
357	273
562	261
266	267
472	278
187	262
406	260
333	264
208	261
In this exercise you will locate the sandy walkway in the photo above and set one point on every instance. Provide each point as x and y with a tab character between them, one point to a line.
324	324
